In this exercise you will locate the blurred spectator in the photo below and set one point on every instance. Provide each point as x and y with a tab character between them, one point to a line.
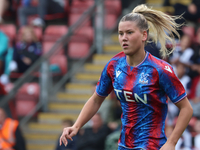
172	113
152	48
26	52
195	59
105	108
115	111
126	4
93	138
4	47
190	12
184	143
183	52
2	90
71	144
183	77
42	8
3	7
197	137
111	142
10	137
195	96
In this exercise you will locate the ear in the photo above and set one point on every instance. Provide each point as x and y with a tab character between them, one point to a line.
144	36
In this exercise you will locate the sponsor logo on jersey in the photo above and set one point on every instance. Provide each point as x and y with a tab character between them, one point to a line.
168	69
118	73
130	96
143	79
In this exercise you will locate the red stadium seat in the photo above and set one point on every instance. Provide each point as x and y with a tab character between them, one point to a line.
27	98
24	106
54	32
83	34
110	21
74	17
78	50
9	30
113	7
79	6
52	16
61	62
30	90
46	46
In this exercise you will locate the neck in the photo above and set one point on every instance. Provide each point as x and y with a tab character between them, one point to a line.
136	59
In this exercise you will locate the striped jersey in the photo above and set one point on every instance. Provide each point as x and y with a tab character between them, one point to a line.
143	91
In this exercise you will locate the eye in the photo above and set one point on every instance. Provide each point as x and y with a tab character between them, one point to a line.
120	33
130	32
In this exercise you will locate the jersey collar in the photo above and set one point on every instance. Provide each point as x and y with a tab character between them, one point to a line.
125	66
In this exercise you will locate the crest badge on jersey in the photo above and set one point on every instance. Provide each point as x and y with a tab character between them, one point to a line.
143	79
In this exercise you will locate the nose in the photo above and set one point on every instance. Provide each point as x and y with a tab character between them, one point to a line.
124	38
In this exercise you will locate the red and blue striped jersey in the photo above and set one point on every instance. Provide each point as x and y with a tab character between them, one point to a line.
143	91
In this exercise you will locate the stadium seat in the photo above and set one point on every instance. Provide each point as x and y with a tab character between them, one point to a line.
59	61
83	34
110	21
54	32
46	46
113	7
79	6
78	50
24	106
55	16
9	30
31	90
74	17
27	98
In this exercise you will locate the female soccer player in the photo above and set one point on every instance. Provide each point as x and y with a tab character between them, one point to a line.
142	84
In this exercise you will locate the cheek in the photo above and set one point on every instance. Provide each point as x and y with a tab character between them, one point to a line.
136	40
120	40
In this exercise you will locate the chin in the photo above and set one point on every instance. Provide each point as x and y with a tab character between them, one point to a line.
127	52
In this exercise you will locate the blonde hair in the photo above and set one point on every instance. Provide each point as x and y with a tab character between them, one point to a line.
162	25
28	29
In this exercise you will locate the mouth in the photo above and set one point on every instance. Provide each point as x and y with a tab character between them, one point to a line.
125	45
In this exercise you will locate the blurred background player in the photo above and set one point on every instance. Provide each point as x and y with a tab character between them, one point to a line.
71	145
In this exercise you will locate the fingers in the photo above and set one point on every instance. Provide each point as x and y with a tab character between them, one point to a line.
67	134
63	140
69	137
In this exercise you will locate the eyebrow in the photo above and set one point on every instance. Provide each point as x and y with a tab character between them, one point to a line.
126	30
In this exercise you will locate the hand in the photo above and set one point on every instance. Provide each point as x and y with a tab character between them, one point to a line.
192	8
26	60
168	146
68	133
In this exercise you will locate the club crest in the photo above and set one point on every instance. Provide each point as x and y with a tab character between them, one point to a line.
143	78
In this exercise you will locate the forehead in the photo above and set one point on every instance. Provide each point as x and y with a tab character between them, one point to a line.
127	25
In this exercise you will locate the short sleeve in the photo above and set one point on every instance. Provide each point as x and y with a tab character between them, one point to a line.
104	85
171	84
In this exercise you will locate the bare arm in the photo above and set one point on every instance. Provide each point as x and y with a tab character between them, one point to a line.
184	117
87	112
89	109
